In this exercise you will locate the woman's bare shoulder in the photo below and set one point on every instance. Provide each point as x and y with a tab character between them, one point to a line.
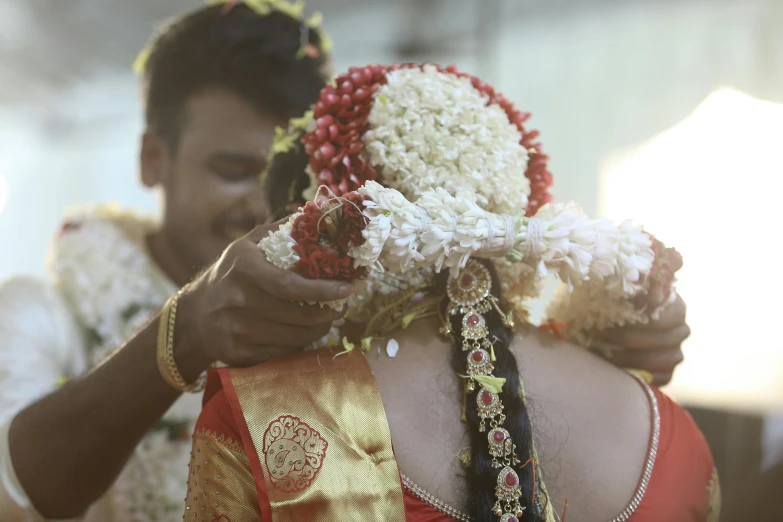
591	420
592	423
575	377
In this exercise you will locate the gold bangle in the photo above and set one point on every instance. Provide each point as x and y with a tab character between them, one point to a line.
167	365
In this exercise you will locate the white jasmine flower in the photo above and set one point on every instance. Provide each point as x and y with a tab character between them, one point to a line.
279	245
562	238
430	129
635	257
378	210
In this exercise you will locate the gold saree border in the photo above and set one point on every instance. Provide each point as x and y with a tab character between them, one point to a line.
327	412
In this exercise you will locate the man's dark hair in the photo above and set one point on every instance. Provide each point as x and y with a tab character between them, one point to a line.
236	49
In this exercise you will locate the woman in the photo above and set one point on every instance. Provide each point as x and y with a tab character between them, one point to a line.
310	438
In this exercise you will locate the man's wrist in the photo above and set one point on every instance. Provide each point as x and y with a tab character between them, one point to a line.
190	358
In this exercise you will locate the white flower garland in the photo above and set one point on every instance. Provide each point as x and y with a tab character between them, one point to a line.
279	247
454	186
100	265
593	257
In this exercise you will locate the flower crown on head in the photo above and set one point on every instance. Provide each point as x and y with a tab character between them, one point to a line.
418	127
419	168
294	10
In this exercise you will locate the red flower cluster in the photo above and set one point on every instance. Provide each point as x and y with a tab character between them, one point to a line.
658	283
341	116
353	222
341	113
323	243
306	230
322	262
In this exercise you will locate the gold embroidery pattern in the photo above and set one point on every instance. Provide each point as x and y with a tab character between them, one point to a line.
714	497
294	453
220	483
226	442
359	479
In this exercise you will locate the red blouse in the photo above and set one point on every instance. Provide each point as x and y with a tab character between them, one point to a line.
682	485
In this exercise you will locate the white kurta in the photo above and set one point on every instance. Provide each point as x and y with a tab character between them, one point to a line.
103	287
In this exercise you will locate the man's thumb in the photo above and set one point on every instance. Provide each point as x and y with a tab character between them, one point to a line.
261	231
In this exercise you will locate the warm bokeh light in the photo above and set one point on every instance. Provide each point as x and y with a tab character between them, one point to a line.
711	186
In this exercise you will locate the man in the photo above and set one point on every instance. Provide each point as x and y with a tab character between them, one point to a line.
109	442
216	84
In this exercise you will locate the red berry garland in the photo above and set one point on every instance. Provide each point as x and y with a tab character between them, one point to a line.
323	244
335	146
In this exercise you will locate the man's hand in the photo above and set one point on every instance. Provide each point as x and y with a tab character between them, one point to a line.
654	347
243	311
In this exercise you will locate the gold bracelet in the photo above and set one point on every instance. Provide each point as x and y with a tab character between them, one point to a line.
167	365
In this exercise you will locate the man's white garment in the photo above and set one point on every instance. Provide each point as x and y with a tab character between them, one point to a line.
104	286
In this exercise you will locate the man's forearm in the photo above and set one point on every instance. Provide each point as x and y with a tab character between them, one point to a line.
68	448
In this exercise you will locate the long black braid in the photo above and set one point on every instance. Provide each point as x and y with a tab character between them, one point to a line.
482	477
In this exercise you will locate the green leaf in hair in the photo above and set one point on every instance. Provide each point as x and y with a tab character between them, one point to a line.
493	384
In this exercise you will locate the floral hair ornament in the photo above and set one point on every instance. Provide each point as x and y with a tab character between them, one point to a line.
294	10
419	168
381	118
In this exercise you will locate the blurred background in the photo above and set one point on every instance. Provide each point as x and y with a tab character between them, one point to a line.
667	111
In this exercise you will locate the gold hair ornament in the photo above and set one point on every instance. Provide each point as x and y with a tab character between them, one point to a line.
469	296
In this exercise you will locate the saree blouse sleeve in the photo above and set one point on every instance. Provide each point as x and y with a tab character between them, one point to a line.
684	485
221	487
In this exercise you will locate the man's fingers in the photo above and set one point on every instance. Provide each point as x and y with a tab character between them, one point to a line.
653	361
261	231
286	284
676	262
672	316
270	333
250	355
293	287
641	338
662	378
288	312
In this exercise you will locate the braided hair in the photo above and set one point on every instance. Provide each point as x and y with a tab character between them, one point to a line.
482	476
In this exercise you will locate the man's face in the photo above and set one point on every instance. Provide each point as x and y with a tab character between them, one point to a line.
211	182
